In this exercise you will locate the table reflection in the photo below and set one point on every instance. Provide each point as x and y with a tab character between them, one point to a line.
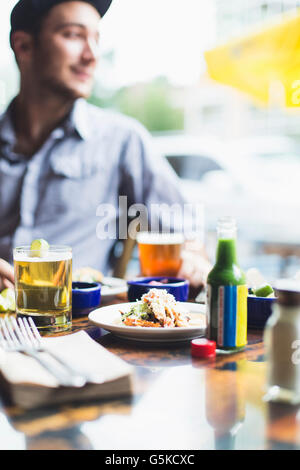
225	403
10	438
67	439
179	402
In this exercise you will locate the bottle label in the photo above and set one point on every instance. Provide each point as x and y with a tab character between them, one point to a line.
227	315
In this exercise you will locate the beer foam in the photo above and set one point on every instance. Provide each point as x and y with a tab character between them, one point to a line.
49	257
148	238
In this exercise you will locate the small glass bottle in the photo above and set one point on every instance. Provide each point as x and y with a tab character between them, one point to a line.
282	343
227	292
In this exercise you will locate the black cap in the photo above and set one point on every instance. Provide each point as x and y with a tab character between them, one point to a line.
27	13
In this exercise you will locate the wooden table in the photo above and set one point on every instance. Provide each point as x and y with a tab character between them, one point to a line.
179	403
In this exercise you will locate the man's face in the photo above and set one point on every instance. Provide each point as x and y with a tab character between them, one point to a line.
66	51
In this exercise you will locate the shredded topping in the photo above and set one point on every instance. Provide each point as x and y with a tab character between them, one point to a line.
157	308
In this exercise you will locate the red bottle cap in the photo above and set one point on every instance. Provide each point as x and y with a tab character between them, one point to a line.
203	348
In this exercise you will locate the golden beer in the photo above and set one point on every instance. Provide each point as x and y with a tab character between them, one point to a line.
44	287
160	253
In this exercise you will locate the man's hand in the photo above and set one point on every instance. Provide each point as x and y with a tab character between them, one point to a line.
6	275
196	265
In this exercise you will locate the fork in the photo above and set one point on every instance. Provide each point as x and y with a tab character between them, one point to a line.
95	377
19	337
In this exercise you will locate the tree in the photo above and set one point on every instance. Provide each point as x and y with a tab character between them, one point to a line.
149	103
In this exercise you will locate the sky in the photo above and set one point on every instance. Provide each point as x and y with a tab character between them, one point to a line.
149	37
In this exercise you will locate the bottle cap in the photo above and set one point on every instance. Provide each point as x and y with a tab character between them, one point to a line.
203	348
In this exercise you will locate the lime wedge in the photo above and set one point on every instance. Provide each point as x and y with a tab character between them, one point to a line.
9	296
3	304
39	248
264	291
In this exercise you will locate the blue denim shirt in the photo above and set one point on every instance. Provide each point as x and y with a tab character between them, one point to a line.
91	159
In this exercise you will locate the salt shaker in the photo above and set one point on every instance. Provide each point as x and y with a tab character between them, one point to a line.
282	343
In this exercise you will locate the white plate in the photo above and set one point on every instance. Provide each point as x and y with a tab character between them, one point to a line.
113	286
109	318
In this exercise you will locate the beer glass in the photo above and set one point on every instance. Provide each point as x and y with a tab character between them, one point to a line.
43	284
160	253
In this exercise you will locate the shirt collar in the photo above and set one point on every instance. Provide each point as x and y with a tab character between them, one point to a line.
7	131
78	119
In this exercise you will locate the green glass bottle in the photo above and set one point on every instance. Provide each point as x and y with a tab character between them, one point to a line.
227	292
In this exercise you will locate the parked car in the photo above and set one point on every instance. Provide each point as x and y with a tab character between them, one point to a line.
255	180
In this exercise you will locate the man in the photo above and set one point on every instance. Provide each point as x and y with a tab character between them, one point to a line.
6	275
61	159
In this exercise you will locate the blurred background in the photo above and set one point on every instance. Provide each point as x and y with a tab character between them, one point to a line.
217	83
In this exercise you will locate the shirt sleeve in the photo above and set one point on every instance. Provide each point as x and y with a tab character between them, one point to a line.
148	179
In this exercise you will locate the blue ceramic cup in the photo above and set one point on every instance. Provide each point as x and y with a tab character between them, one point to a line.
259	310
86	296
175	286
